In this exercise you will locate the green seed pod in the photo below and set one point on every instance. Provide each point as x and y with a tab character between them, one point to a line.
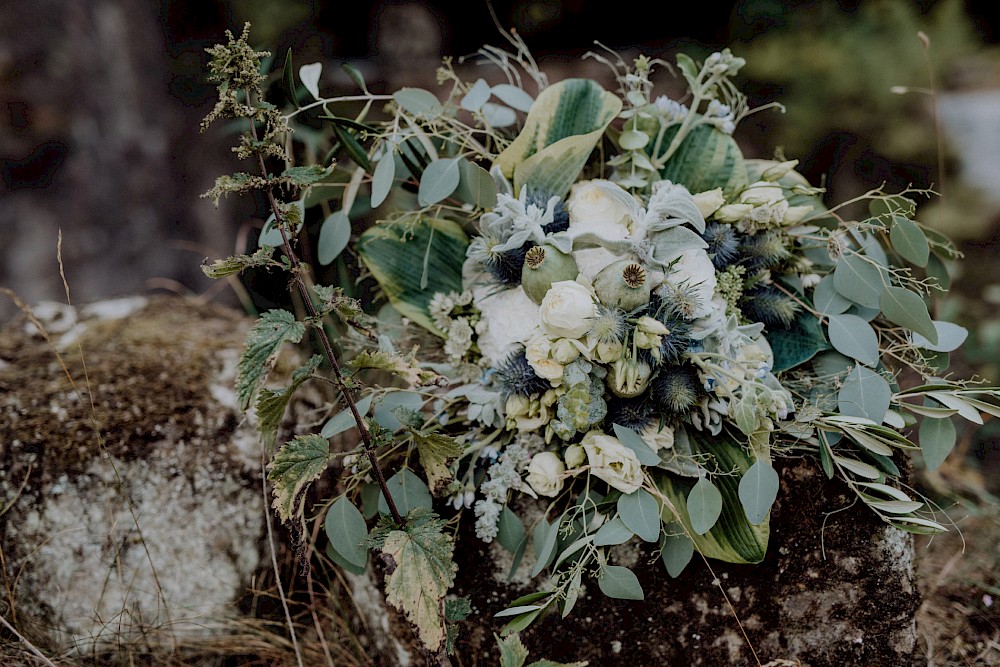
623	284
544	265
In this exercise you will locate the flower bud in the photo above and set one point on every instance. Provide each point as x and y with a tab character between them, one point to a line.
544	265
545	474
628	377
574	456
623	284
709	202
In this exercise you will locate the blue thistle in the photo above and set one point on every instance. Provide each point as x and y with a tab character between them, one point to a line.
506	266
676	389
633	413
767	304
515	376
762	251
723	244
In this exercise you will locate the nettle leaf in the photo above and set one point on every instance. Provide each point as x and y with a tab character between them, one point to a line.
704	504
676	550
864	393
271	403
407	368
424	570
758	490
937	439
221	268
640	513
264	341
439	180
852	336
513	652
294	213
617	581
909	241
859	280
408	493
436	451
907	309
306	175
296	465
346	529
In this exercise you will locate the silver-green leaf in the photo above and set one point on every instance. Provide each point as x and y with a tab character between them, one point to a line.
758	489
853	337
704	504
620	582
907	309
640	512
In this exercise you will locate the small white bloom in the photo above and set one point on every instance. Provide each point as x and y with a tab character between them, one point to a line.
564	351
658	438
608	353
777	171
593	211
733	212
539	354
574	456
512	318
566	310
545	474
709	202
612	461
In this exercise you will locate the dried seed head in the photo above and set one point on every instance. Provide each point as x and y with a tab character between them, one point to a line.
634	275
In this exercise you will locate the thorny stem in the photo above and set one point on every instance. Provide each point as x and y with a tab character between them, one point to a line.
300	285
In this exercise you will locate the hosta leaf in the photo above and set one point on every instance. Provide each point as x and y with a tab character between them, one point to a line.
797	344
907	309
732	539
424	571
864	393
937	439
620	582
758	490
271	403
414	259
857	279
436	451
705	160
853	337
640	513
264	341
296	465
561	130
346	530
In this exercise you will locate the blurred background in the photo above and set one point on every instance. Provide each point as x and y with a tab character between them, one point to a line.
101	103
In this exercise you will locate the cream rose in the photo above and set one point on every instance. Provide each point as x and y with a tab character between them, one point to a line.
594	210
612	461
566	310
545	474
709	202
658	438
538	351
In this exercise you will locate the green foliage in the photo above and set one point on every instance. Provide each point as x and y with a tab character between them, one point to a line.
271	403
406	368
272	330
297	465
424	571
222	268
436	451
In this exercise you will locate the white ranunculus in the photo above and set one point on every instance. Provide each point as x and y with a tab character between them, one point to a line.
545	474
539	354
592	210
512	318
612	461
695	270
566	310
709	202
658	438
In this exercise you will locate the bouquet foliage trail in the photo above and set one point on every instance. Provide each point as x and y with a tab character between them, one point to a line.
589	298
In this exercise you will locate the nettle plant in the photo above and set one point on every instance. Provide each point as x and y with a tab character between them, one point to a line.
603	322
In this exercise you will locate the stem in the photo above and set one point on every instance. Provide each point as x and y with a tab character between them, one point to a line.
300	286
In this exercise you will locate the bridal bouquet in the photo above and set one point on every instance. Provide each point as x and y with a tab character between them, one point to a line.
606	324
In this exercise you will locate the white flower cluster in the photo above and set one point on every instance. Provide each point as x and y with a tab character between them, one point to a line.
458	329
504	475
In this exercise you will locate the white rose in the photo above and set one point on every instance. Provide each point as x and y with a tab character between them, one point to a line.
511	317
733	212
762	193
612	461
658	438
564	351
709	202
566	310
592	210
694	269
539	354
545	474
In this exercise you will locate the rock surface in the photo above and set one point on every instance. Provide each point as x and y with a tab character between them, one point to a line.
135	506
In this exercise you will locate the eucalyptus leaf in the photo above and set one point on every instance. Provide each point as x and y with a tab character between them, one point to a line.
545	537
640	513
309	75
758	491
857	467
613	532
827	299
388	404
937	439
439	180
857	279
864	393
342	562
408	491
382	179
677	550
620	582
907	309
498	115
346	530
344	419
853	337
334	235
476	186
950	337
477	96
704	504
513	96
418	102
909	241
510	530
634	441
